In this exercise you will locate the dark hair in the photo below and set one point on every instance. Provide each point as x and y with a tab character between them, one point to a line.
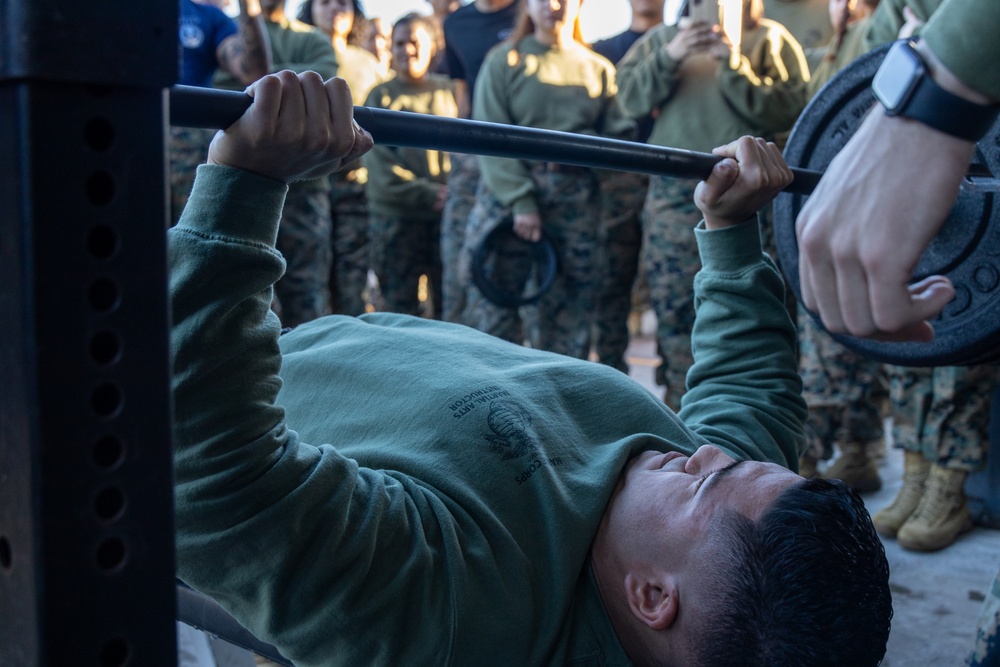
809	586
353	37
422	20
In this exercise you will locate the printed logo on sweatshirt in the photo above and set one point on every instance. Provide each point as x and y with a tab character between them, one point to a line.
510	422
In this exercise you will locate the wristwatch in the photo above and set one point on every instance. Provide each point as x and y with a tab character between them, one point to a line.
905	88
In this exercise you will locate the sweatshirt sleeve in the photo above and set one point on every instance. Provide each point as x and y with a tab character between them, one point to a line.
744	389
509	179
292	539
963	34
769	88
647	76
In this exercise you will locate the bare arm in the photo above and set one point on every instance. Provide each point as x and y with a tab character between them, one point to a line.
247	54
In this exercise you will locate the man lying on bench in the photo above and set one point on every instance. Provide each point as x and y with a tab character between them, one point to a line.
465	501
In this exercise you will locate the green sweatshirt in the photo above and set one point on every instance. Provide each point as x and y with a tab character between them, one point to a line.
295	46
570	89
404	182
807	20
443	509
701	102
360	69
962	33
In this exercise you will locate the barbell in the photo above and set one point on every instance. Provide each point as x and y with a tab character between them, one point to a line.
967	250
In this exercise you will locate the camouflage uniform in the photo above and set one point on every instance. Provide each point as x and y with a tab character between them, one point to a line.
943	413
619	238
986	651
568	204
463	180
348	274
403	249
304	241
670	258
841	389
188	149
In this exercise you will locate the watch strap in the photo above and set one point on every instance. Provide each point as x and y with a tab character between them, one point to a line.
934	106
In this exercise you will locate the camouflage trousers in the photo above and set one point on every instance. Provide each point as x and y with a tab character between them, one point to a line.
560	320
302	294
943	413
188	149
349	212
623	195
403	249
670	259
842	390
463	180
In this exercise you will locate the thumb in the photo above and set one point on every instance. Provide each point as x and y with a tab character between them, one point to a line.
724	174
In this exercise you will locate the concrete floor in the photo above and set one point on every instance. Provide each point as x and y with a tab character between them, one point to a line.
936	596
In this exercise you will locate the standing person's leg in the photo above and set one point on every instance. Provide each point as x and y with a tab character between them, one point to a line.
619	240
671	260
954	438
463	180
838	386
431	231
397	259
349	209
505	264
570	213
304	241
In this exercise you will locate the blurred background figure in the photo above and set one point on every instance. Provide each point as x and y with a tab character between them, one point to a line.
684	75
440	10
622	197
343	21
544	76
376	38
211	41
469	33
406	186
303	293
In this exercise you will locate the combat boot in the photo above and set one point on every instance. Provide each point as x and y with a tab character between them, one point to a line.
889	519
855	468
942	514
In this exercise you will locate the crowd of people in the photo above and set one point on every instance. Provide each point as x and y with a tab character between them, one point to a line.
397	230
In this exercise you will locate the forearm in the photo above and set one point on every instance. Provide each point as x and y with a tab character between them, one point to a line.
744	388
646	78
248	55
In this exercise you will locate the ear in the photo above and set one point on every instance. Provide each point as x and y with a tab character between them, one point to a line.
653	600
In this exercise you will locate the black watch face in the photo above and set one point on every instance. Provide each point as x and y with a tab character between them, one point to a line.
899	74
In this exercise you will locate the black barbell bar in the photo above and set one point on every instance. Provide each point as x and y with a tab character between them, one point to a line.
210	108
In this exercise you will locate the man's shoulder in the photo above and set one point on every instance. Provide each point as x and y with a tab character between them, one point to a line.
468	16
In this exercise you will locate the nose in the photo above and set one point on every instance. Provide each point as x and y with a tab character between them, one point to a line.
706	459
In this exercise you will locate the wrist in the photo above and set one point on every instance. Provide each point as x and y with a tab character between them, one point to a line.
713	222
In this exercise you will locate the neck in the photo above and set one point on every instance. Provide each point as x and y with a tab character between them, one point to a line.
644	23
559	37
609	576
277	14
490	6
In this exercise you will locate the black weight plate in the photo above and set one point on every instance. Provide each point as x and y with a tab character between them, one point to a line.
967	250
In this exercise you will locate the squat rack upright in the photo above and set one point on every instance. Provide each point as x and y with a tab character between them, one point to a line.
86	509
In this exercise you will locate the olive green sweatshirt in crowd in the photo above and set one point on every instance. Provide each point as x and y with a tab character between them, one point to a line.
568	88
851	46
404	182
703	103
964	34
390	490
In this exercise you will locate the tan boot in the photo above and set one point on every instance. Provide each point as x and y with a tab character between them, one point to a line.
855	468
889	519
942	514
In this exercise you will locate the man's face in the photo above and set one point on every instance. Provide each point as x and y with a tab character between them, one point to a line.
268	6
647	8
666	503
